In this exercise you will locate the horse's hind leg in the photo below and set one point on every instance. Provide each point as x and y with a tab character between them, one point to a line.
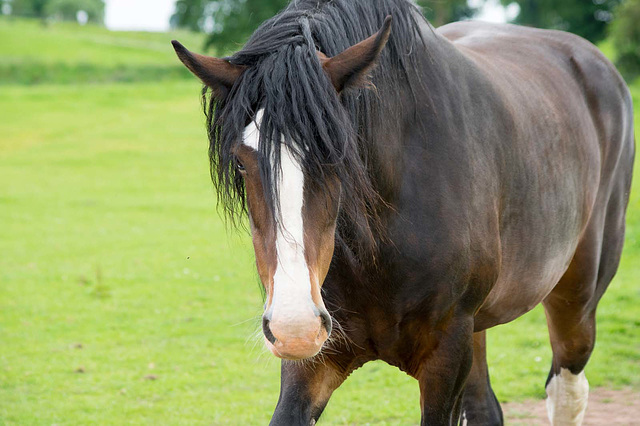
479	404
571	311
572	339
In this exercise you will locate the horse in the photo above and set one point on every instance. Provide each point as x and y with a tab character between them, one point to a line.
408	188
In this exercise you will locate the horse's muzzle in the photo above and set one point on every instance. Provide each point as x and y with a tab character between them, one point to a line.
298	337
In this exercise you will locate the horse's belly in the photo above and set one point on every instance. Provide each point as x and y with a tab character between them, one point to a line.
519	288
541	227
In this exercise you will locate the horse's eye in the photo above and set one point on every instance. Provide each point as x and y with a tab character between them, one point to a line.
239	165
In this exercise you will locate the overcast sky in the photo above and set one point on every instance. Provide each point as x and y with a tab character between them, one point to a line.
492	11
146	15
153	15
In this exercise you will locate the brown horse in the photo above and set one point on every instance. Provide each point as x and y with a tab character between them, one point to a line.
411	188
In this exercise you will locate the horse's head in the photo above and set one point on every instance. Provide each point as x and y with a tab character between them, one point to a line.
284	148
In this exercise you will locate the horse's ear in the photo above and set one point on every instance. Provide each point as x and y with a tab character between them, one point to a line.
218	74
351	67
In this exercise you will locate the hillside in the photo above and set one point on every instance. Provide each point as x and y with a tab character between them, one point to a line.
32	52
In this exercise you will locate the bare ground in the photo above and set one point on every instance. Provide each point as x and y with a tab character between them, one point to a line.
606	407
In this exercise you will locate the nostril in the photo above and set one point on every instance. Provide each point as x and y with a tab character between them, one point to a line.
267	331
326	321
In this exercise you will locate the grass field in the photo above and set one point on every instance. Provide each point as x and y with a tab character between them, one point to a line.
34	52
123	299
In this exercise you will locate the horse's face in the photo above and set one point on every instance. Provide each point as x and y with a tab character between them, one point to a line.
293	245
292	217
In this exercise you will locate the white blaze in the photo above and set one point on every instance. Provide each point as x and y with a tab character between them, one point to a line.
567	396
291	282
251	136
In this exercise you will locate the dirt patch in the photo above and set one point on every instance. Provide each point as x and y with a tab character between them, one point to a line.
606	407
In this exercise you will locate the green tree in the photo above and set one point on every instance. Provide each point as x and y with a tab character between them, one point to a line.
237	20
29	8
190	14
63	9
67	10
587	18
228	22
625	32
440	12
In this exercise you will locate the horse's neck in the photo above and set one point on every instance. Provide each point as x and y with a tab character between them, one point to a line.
405	111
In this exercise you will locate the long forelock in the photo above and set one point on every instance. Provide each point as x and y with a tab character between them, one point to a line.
323	131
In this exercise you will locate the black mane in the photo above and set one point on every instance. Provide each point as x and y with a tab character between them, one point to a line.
328	132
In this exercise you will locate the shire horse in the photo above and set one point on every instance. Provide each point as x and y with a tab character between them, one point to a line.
408	188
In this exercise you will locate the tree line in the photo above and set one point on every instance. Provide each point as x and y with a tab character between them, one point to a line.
228	23
65	10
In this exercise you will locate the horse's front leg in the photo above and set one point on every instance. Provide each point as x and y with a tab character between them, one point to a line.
305	389
479	404
444	371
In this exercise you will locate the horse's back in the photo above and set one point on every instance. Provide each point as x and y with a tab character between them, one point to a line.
509	53
571	151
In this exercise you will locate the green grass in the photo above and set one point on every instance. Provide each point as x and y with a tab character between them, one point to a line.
123	299
33	52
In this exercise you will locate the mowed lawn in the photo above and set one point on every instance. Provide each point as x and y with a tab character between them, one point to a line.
125	300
